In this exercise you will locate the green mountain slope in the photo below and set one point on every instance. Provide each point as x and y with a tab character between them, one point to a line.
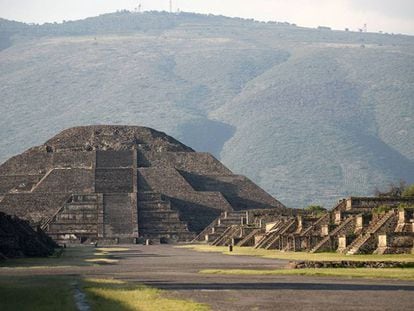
310	115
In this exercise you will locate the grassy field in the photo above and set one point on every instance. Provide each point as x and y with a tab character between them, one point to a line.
391	273
298	256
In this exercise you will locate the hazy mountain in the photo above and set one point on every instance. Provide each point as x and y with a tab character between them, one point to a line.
310	115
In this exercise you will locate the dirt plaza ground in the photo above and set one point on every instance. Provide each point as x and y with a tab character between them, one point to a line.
176	270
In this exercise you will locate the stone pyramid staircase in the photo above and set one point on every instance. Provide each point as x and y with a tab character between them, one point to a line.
157	219
281	227
317	225
362	243
76	221
219	226
227	236
322	245
248	240
287	228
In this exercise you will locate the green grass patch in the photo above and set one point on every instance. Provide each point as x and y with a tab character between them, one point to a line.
388	273
115	295
299	256
36	294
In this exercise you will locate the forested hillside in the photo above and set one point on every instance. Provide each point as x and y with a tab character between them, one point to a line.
310	115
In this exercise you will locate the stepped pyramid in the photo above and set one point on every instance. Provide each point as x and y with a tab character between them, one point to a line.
119	183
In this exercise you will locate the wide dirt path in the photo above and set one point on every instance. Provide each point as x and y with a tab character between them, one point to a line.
176	270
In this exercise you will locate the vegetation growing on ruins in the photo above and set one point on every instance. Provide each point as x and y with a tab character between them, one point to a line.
396	190
387	273
405	206
408	191
315	210
382	209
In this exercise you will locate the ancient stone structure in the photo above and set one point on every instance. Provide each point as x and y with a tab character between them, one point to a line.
354	226
119	183
19	239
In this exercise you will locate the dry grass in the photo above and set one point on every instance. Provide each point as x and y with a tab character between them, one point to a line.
102	261
388	273
299	256
111	249
114	295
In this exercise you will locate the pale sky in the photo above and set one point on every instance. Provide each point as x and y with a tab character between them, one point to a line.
387	15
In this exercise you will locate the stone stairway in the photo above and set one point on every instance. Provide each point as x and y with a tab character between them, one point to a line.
340	206
287	227
220	225
227	236
281	227
320	246
323	220
248	240
201	237
360	243
157	219
76	221
118	215
268	234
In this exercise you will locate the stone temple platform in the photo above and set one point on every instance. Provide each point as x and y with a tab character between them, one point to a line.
119	183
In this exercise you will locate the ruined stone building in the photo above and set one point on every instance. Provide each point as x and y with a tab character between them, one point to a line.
118	183
354	226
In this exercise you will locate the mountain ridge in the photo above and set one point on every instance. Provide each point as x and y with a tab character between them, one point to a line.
305	113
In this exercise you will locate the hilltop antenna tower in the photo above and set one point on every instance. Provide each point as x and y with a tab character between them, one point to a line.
138	8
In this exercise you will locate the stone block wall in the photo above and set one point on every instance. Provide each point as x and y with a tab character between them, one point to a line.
119	180
396	243
114	159
33	207
118	211
18	239
368	203
16	183
69	180
39	161
194	162
241	192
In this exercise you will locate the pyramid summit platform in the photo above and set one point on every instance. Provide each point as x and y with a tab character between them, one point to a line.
120	183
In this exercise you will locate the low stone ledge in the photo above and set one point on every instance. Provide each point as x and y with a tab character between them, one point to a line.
349	264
